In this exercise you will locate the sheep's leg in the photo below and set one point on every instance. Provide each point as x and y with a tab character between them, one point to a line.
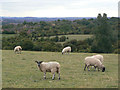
95	68
58	71
88	68
20	52
65	52
17	52
68	52
85	67
44	75
98	69
59	75
53	76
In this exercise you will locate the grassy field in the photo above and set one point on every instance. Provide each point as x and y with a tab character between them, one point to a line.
70	37
8	35
77	37
20	71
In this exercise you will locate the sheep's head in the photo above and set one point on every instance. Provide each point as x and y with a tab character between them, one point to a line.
38	62
103	68
20	48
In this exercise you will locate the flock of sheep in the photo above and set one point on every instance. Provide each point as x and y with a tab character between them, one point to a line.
95	61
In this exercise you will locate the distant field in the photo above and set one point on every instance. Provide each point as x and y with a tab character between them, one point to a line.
77	37
20	71
70	37
8	35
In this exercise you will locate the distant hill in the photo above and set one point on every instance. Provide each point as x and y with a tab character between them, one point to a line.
7	20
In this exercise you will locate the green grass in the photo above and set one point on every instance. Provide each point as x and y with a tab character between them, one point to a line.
8	35
72	37
20	71
77	37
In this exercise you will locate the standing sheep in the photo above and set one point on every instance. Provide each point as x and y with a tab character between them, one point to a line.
49	67
66	49
18	49
91	61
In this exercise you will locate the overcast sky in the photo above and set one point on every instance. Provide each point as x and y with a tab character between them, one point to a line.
58	8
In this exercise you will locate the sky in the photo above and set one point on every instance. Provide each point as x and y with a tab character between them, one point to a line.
58	8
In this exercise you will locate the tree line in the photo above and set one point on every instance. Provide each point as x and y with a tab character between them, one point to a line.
104	38
58	27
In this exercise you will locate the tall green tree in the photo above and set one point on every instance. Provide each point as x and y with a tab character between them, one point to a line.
102	36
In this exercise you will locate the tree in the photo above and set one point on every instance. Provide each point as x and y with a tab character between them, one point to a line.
27	44
56	39
23	34
62	39
102	36
24	23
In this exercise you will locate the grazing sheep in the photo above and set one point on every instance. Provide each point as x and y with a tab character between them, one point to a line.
98	56
17	49
49	67
91	61
66	49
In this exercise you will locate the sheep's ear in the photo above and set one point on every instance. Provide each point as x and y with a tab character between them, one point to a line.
36	61
41	61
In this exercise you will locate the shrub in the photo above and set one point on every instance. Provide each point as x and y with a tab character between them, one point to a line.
62	39
27	44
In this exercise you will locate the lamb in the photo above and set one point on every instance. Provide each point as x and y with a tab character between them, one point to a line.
49	67
66	49
18	49
91	61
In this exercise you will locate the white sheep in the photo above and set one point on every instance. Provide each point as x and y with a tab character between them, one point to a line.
17	49
91	61
49	67
66	49
98	56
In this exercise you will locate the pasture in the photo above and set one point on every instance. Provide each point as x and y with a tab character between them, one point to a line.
21	71
77	37
8	35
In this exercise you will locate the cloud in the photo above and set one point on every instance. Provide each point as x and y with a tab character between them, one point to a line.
58	8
